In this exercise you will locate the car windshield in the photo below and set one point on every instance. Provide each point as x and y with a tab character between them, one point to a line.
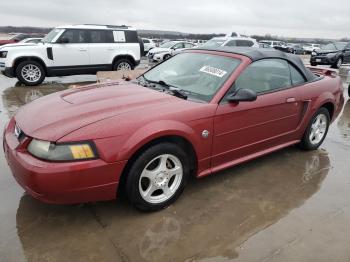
333	46
51	36
213	43
167	44
199	76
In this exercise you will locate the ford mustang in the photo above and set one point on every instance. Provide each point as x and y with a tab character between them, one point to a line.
197	113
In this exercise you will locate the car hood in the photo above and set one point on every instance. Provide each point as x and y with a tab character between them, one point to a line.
325	52
17	45
159	50
54	116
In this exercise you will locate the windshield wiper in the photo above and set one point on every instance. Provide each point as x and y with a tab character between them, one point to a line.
173	89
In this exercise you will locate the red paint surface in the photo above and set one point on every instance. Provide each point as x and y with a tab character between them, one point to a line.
122	118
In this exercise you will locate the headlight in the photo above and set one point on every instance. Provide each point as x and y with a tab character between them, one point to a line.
62	152
313	53
3	54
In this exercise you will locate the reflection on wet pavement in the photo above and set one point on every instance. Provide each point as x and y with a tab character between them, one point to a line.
288	206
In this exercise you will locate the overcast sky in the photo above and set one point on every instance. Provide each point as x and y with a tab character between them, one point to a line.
308	18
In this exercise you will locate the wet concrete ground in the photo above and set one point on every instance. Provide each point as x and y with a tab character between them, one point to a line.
288	206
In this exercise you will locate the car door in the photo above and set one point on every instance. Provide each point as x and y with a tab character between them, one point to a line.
177	48
101	48
71	49
347	53
247	128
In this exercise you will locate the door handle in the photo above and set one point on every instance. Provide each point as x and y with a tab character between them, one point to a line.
291	100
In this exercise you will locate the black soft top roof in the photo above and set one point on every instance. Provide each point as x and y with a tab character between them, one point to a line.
256	54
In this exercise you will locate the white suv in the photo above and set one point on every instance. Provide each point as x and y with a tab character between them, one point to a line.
72	50
231	41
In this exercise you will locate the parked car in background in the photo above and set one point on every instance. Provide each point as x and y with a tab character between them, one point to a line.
279	45
32	40
72	50
263	45
148	44
203	111
168	49
18	37
333	54
311	47
231	41
296	49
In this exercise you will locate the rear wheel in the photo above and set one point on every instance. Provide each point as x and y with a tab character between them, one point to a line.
30	73
316	131
123	64
157	177
313	64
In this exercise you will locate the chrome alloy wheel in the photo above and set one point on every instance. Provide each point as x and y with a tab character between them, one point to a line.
339	63
160	179
31	73
318	129
123	66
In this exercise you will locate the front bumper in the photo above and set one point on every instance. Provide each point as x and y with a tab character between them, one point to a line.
156	57
61	183
7	71
323	60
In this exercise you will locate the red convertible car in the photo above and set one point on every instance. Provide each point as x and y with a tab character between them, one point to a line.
199	112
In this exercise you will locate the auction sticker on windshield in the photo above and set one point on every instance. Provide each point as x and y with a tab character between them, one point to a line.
213	71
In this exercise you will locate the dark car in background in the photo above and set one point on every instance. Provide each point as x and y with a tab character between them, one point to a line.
333	54
296	49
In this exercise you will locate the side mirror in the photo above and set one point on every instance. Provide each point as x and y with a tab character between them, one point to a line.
63	40
242	95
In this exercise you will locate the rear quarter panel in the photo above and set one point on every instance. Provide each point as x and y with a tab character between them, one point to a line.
316	94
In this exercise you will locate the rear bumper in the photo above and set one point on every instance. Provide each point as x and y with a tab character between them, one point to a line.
61	183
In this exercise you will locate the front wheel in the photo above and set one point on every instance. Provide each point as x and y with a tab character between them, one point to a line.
30	73
338	64
157	177
166	57
123	64
316	131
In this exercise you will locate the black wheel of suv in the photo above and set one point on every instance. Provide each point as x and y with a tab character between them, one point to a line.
338	64
316	131
123	64
157	177
166	57
30	73
313	64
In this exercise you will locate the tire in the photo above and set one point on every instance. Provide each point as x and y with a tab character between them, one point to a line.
338	63
313	64
166	57
30	73
307	143
152	182
123	64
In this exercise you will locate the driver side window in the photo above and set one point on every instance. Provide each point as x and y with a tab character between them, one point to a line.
74	36
178	46
265	76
